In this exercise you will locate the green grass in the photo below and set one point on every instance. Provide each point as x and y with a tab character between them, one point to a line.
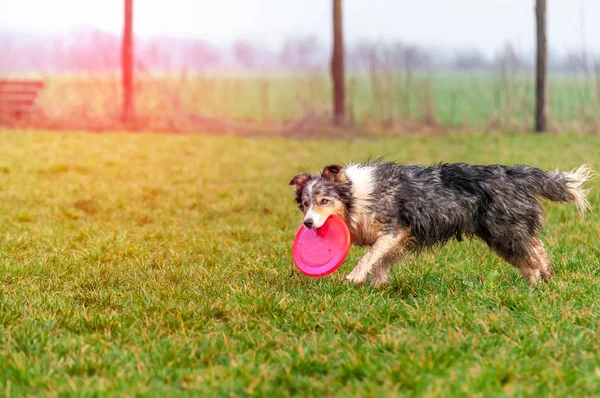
166	103
160	265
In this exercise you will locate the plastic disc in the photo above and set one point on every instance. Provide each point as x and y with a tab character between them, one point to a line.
319	252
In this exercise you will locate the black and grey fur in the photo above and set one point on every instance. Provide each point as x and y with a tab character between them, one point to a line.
395	209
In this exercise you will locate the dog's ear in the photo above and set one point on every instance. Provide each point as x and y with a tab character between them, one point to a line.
333	172
299	182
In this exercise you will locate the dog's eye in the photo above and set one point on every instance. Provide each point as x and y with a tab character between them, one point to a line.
324	202
305	204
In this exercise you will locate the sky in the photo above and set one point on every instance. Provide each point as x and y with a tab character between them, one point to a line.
452	24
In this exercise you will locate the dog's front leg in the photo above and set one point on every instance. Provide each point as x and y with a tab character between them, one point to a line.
360	271
382	247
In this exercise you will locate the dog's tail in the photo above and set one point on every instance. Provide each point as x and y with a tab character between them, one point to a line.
569	187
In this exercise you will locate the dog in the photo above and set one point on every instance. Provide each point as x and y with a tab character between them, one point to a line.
395	209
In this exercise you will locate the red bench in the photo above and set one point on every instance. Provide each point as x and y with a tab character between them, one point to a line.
17	98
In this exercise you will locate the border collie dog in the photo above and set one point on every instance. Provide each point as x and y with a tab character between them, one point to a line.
395	209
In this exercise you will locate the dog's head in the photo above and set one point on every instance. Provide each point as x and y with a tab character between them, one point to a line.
319	196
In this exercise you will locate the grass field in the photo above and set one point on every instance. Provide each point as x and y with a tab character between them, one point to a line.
160	265
472	101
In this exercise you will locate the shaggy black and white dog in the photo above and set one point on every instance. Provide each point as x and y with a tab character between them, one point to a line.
395	209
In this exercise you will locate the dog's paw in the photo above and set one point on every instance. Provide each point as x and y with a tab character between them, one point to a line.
357	277
380	277
378	282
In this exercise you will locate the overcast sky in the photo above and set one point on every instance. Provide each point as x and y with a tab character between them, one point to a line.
485	24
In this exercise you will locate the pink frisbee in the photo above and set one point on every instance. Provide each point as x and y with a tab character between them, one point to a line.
319	252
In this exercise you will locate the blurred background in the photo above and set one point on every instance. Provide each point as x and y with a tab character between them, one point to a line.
267	67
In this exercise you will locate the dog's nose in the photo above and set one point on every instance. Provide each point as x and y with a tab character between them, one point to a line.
308	223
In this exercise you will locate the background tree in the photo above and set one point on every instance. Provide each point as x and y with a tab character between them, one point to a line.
540	66
244	54
127	63
337	65
301	54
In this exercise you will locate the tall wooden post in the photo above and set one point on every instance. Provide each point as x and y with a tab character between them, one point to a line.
541	66
127	64
337	65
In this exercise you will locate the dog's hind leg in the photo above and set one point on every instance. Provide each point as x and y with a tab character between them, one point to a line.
531	260
534	266
386	247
